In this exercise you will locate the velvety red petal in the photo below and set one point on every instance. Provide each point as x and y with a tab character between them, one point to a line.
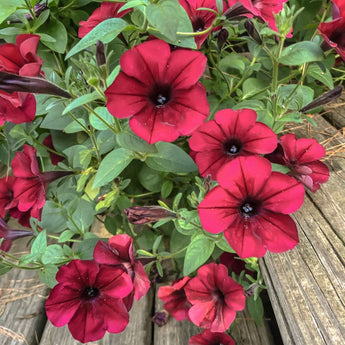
185	68
277	231
24	113
123	244
243	238
282	194
62	304
197	292
201	314
218	210
87	323
260	139
126	96
10	58
223	319
320	173
245	176
210	162
106	254
147	61
141	282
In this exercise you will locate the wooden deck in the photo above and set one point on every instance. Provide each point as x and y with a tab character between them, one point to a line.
306	286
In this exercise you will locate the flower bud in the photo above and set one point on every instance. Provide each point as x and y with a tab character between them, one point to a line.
222	37
235	11
252	32
160	318
147	214
100	56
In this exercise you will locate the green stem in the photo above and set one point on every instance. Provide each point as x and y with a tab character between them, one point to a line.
275	62
32	12
161	258
57	237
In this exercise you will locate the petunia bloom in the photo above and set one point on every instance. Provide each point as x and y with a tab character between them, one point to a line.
263	9
334	34
231	134
338	9
147	214
215	298
236	265
211	338
6	194
201	19
54	158
302	157
251	206
29	186
159	90
119	252
19	59
9	235
88	297
174	298
107	10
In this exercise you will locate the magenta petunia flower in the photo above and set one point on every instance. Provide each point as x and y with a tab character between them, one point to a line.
251	206
9	235
215	298
88	297
334	34
263	9
119	252
231	134
6	194
236	265
211	338
338	8
201	19
174	298
29	186
19	59
302	157
107	10
159	90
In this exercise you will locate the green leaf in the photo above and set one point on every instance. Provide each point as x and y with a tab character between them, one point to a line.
40	243
322	75
160	17
105	115
106	31
4	269
53	255
54	28
256	309
224	245
134	143
150	179
84	99
302	95
47	275
300	53
9	7
85	249
66	235
112	165
167	188
198	252
171	158
11	31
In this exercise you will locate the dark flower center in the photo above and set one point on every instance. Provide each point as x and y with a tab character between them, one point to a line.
338	36
90	293
250	208
160	95
198	24
233	147
218	296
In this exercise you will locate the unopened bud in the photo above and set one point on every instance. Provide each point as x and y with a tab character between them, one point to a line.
324	99
235	11
252	32
222	37
100	56
207	182
10	83
147	214
161	318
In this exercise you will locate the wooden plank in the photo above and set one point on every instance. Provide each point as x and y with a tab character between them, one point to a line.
22	298
138	331
245	332
307	285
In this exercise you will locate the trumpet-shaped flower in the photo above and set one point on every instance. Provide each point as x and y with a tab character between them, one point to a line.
211	338
159	90
251	206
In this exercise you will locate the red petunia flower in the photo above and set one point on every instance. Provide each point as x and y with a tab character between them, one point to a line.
88	298
119	251
215	298
107	10
159	89
338	9
29	186
211	338
231	134
201	19
6	194
19	59
263	9
334	35
55	159
10	235
251	205
302	157
175	299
